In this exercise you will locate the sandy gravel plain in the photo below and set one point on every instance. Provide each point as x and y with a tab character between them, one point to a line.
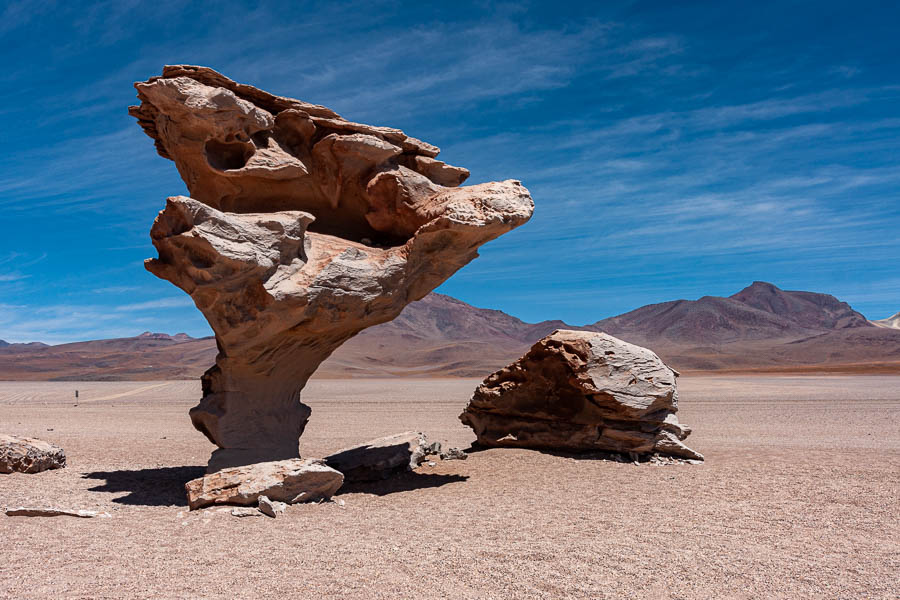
799	498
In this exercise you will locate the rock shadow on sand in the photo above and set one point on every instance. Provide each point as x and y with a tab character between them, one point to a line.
404	482
162	486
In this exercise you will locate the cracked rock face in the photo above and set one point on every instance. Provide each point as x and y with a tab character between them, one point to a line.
301	230
29	455
581	391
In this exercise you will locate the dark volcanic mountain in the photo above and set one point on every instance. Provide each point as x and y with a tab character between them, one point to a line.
759	328
758	312
807	309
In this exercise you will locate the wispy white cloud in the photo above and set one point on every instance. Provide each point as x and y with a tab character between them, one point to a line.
156	304
652	152
116	289
62	323
19	13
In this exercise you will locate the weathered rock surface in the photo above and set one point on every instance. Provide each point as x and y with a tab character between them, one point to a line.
381	458
581	391
302	229
23	511
271	508
454	454
29	455
293	480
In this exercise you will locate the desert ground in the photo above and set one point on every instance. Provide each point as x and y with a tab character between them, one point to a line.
798	498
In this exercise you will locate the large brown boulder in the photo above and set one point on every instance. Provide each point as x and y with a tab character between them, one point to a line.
29	455
290	481
581	391
301	230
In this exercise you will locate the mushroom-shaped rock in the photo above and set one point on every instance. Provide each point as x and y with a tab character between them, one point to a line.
301	230
581	391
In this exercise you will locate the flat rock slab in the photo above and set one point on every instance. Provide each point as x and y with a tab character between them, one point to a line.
23	511
383	457
293	480
29	455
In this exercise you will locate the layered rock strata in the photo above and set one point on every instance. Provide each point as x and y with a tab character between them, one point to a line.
301	229
29	455
581	391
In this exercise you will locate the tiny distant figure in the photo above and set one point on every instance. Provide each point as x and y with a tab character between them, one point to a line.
76	393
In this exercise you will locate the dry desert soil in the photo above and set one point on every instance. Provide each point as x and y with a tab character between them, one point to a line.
799	498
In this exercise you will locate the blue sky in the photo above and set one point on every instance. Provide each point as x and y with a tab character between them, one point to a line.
673	149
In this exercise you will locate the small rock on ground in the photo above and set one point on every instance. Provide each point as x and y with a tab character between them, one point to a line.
454	454
29	455
23	511
271	508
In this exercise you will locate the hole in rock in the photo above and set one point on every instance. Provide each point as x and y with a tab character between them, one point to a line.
228	155
260	138
343	216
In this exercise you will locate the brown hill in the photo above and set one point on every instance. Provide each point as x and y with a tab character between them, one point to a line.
806	309
158	356
438	335
5	344
759	328
758	312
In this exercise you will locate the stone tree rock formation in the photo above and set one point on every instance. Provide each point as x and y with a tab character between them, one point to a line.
302	229
581	391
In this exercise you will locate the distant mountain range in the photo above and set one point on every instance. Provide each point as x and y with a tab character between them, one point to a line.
760	328
178	337
5	344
